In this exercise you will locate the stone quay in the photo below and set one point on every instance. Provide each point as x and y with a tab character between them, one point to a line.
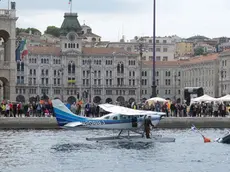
166	123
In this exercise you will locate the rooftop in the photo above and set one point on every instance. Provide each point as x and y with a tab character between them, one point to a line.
44	50
70	23
87	51
192	60
101	50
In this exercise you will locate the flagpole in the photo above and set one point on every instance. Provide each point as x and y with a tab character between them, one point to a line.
71	6
8	4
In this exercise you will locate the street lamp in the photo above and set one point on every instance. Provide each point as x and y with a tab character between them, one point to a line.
175	85
222	86
61	71
90	80
154	50
1	92
141	49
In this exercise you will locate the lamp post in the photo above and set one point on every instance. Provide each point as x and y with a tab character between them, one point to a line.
141	49
154	50
0	92
90	80
175	81
222	86
61	71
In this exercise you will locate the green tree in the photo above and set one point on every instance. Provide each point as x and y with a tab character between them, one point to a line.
53	30
18	30
199	51
33	30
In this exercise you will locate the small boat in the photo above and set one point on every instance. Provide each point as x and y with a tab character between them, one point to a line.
225	139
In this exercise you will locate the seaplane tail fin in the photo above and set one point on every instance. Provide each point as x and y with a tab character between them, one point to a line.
64	116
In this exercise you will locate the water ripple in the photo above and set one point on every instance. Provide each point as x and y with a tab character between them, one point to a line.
60	150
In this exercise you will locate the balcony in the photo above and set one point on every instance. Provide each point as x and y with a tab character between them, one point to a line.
4	64
71	81
121	74
7	13
4	13
20	83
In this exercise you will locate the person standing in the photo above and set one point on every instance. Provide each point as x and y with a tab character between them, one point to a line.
147	125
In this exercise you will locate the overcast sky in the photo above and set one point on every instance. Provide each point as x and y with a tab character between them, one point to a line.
112	18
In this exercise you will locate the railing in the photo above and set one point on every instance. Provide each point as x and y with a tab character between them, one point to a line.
4	12
4	64
120	74
7	13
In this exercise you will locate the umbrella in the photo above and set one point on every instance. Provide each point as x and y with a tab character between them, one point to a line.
156	99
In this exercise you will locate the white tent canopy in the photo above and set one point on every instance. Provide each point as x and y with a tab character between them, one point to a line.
204	98
224	98
156	99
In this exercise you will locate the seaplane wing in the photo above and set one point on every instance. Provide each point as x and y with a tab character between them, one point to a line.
74	124
127	111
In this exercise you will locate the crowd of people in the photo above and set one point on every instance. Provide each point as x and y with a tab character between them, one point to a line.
18	109
172	109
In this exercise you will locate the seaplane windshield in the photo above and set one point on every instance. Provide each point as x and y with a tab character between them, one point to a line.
112	117
106	117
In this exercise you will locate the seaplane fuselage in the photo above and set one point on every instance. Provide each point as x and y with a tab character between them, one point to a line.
119	118
113	121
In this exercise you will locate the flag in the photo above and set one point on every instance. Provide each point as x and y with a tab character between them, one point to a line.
193	128
24	50
206	139
70	1
21	51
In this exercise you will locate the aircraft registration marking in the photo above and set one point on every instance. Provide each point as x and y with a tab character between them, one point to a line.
94	123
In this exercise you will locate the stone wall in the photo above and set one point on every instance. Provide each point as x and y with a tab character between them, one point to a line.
166	123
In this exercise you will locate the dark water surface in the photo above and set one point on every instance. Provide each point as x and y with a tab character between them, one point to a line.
68	151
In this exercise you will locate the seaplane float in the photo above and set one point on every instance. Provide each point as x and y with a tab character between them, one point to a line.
123	119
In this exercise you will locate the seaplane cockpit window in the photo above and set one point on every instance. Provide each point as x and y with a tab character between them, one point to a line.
123	117
106	117
115	118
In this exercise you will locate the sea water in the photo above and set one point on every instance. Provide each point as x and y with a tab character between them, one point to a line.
68	151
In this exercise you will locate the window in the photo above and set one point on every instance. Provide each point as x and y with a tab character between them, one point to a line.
164	41
109	92
165	49
158	58
165	58
158	49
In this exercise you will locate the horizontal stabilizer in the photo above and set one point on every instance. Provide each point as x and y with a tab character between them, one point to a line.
74	124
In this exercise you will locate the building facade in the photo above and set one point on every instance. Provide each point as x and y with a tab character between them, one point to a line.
112	72
184	49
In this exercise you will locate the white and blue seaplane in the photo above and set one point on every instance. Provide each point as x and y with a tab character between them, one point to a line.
119	118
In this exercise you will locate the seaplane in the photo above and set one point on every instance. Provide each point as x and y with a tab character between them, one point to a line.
119	118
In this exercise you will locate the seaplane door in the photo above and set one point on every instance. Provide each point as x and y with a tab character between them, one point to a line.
134	122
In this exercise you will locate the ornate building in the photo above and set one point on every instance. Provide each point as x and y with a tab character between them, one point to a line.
71	71
107	73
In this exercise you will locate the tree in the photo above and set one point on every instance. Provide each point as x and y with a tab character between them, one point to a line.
199	51
18	30
136	38
33	30
53	30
